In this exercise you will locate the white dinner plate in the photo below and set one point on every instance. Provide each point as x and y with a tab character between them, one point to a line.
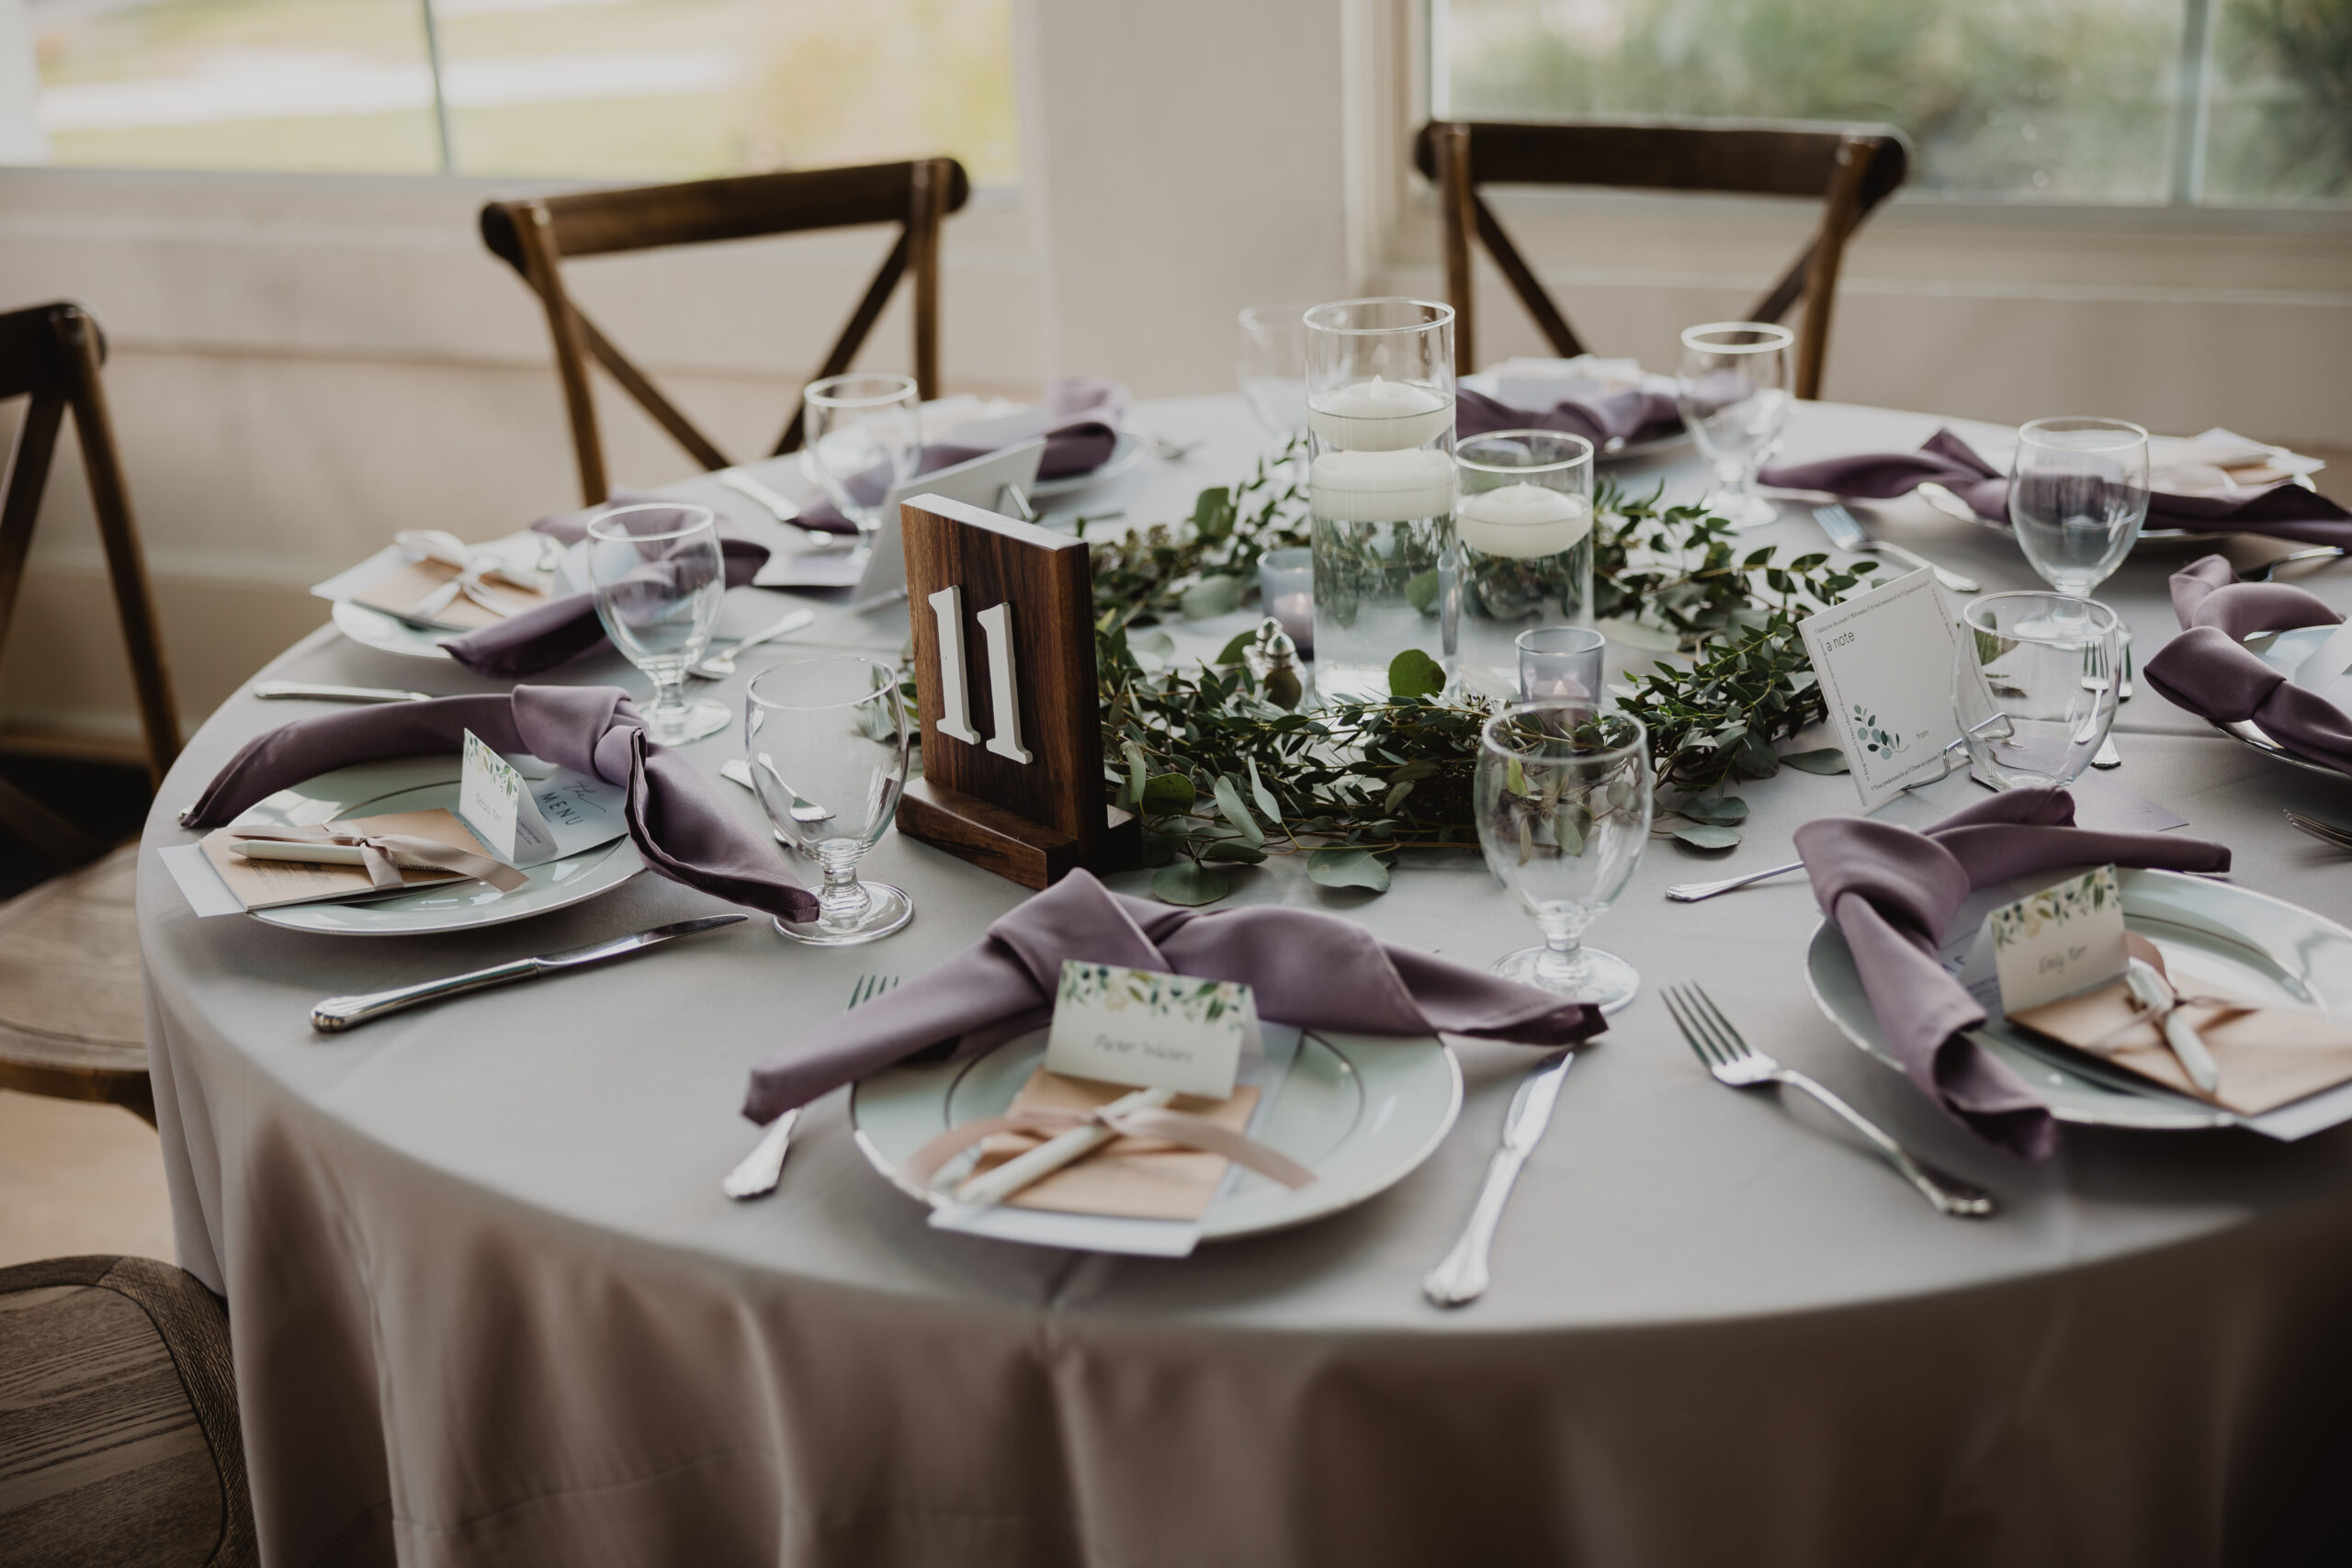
2283	652
422	784
1126	452
373	629
1361	1110
2211	934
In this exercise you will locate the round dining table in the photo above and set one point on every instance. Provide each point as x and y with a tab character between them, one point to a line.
490	1305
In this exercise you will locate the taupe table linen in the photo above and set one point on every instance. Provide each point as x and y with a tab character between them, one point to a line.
489	1306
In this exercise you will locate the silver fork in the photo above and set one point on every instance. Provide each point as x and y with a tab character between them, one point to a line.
762	1169
2325	832
1845	531
2269	570
1734	1062
1692	892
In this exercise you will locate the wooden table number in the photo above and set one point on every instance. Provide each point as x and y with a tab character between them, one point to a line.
1003	619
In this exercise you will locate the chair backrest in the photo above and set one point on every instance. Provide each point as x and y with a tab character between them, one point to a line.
1850	169
52	354
119	1442
535	236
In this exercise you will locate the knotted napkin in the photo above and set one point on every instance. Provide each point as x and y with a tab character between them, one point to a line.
1892	892
1603	417
382	855
2209	669
676	817
1307	968
2282	511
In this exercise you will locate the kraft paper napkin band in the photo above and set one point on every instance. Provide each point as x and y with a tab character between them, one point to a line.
1178	1127
376	852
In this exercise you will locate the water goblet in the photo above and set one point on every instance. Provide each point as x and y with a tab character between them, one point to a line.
1560	664
1273	366
827	738
864	436
1563	815
2034	685
659	578
2078	493
1733	392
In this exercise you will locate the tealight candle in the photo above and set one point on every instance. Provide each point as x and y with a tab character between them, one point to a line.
1379	415
1394	485
1522	520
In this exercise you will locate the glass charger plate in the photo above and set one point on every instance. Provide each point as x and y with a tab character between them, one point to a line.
1364	1110
422	783
1126	452
2211	934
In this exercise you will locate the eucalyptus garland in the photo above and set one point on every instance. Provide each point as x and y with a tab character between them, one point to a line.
1224	774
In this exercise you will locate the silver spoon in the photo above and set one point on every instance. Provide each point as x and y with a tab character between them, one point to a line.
718	666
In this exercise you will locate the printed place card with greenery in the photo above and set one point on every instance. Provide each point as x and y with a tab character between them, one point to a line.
2060	940
1150	1030
1886	660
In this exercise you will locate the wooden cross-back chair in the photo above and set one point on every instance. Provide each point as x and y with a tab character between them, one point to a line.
534	237
1850	169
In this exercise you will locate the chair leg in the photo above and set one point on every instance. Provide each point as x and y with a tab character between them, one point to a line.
1456	195
535	232
929	210
27	477
1838	220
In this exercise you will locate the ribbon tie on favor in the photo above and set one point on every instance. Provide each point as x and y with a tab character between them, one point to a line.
377	851
474	567
1169	1126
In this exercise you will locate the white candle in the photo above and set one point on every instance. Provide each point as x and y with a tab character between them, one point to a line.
1381	487
1379	416
1296	614
1522	520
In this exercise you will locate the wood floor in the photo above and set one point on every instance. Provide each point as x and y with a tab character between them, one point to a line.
76	1178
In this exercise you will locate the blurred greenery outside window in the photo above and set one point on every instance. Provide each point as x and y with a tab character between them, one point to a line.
2068	102
594	89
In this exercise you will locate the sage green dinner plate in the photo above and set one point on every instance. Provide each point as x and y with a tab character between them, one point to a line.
422	784
2212	934
1361	1110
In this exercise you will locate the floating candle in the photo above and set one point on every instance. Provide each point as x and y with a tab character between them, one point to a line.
1379	415
1381	487
1522	520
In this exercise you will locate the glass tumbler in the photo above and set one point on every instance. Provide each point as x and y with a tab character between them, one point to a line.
827	739
1733	392
659	578
1522	518
1564	814
1286	589
1561	664
2034	685
864	437
1273	366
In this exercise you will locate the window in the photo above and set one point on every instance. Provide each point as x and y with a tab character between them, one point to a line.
653	89
2073	101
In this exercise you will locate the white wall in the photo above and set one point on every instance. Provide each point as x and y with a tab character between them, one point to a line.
302	364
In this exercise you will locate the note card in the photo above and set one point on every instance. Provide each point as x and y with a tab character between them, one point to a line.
528	820
2059	940
1885	661
1154	1030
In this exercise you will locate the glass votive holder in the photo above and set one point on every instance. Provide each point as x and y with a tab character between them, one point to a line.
1560	664
1286	589
1523	519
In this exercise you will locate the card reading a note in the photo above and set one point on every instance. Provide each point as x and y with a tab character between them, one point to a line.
1886	660
2060	940
1154	1030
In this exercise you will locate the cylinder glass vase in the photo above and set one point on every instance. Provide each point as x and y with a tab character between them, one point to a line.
1523	517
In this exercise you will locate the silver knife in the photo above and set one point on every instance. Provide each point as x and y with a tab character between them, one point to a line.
1460	1279
282	690
336	1014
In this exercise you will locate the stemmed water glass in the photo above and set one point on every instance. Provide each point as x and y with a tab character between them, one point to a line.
659	578
1733	392
2034	685
2078	493
827	738
1273	366
1563	815
864	438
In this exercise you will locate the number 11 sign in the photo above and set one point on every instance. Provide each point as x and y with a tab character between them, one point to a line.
1005	675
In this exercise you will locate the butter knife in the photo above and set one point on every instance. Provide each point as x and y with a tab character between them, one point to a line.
336	1014
308	691
1460	1279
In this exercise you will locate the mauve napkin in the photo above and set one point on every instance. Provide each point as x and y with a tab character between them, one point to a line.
564	629
1601	416
2281	511
2208	671
1306	968
676	817
1892	892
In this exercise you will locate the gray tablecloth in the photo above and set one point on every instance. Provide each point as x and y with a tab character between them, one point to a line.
489	1306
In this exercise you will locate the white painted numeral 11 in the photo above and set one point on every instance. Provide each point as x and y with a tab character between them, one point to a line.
1004	686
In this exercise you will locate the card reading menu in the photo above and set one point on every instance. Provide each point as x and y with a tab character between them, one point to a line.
1885	661
530	822
1154	1030
2060	940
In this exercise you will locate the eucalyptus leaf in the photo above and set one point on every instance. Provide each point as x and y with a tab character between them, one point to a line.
1212	596
1232	850
1706	835
1155	645
1167	794
1264	797
1413	673
1725	808
1340	867
1828	760
1235	652
1189	885
1228	801
1420	591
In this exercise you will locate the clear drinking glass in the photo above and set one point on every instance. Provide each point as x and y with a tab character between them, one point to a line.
1523	517
1380	485
2034	685
864	436
1563	815
1273	366
1560	664
1734	391
827	738
1286	591
658	577
2078	493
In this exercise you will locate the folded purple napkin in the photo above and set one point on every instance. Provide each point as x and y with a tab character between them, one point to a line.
2209	669
677	819
1892	892
2284	511
1307	968
565	627
1601	416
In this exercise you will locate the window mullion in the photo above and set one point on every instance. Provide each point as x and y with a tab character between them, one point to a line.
440	93
2193	103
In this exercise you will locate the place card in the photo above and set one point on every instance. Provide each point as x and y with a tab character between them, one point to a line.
2058	941
1885	661
534	816
1150	1030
